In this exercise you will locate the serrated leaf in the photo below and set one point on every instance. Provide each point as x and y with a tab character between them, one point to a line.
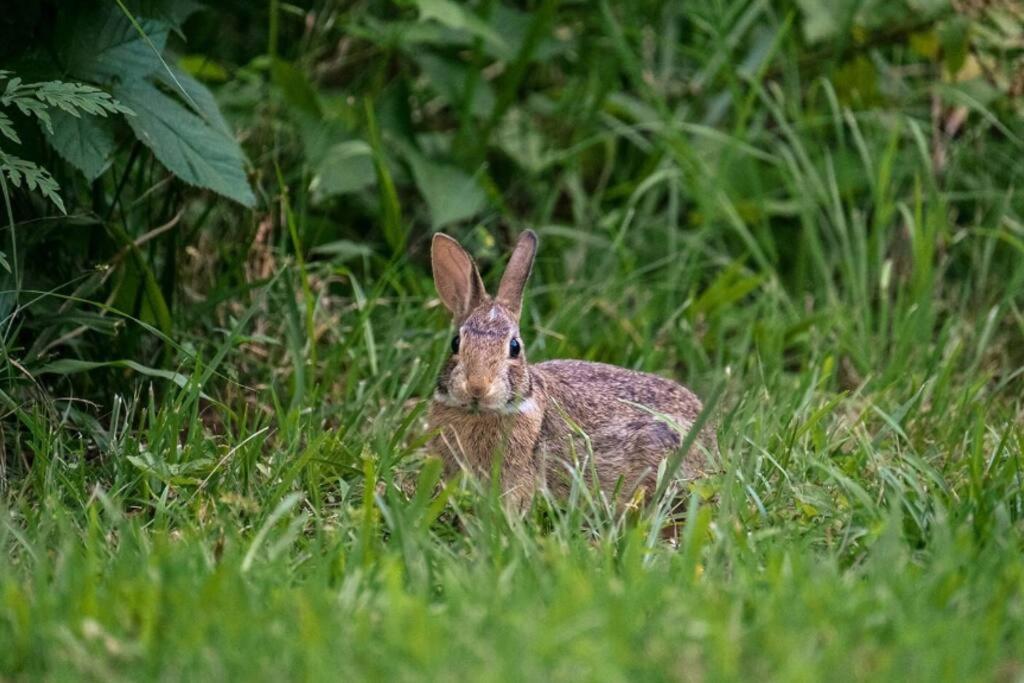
7	128
75	98
185	144
105	47
33	107
451	194
198	95
85	142
35	177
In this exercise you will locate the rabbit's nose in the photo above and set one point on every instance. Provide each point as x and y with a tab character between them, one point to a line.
477	388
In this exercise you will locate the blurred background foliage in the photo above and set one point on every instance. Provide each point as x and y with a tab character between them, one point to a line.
305	152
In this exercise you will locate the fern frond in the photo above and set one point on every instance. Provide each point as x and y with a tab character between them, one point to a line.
35	177
33	107
35	99
7	128
75	97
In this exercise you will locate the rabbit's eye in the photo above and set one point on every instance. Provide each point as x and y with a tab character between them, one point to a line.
455	344
514	348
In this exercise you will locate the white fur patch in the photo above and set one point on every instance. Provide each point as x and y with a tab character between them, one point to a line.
527	406
521	408
493	315
446	399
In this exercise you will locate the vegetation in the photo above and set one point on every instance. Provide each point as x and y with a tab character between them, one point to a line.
219	331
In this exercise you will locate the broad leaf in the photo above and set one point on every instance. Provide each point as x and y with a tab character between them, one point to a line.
185	144
346	167
451	194
85	142
199	98
105	47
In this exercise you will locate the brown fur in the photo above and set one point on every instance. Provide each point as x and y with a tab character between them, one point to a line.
541	420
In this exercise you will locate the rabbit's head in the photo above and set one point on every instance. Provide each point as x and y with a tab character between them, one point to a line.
487	367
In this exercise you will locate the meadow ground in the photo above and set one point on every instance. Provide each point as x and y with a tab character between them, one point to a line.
846	284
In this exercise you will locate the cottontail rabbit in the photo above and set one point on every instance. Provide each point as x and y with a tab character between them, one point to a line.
541	419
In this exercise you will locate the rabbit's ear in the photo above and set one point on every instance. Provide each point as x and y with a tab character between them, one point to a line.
455	276
513	282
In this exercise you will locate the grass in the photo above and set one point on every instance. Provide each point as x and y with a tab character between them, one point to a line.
269	511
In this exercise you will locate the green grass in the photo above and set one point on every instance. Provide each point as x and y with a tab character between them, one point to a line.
867	522
270	512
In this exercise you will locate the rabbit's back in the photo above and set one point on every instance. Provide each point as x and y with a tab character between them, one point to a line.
613	413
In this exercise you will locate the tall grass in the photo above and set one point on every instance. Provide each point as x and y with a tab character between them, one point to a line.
718	200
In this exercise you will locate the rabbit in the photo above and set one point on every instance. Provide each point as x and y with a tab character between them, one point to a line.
539	420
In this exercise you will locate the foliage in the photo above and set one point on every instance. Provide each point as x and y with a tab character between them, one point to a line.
211	456
35	100
113	48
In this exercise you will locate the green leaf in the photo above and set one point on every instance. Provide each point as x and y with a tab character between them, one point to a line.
104	46
346	167
185	144
452	195
85	142
76	98
34	176
457	17
7	128
198	95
